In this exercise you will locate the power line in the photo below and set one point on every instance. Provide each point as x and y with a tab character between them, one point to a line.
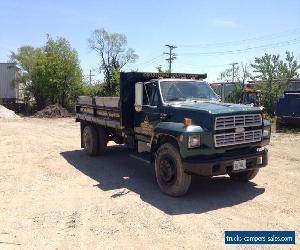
156	59
253	39
149	58
293	41
288	42
172	56
204	66
150	61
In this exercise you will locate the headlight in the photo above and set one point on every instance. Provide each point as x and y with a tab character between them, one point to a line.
266	132
194	141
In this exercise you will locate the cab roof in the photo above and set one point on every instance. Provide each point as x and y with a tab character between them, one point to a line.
147	76
179	79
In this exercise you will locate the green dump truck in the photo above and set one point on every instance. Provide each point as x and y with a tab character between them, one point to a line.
176	122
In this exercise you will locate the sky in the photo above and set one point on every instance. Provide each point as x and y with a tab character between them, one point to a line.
209	35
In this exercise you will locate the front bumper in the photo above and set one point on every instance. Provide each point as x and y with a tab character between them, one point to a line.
224	165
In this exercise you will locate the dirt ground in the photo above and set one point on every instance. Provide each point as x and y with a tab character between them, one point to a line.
53	196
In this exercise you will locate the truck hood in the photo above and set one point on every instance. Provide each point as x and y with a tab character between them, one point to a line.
217	108
204	113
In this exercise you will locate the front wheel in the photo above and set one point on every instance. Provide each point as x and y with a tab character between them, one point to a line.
170	174
244	176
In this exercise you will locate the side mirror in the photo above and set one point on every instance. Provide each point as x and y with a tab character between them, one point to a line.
138	96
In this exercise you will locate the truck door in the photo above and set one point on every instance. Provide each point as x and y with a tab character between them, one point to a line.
146	120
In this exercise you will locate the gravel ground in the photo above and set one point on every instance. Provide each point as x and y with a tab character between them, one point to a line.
7	113
53	196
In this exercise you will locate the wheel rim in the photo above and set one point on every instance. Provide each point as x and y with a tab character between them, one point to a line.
167	171
86	140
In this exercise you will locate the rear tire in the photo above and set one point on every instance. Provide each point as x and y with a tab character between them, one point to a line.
279	125
90	140
102	140
244	176
170	174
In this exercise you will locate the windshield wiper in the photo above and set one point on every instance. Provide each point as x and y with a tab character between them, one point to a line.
195	99
174	99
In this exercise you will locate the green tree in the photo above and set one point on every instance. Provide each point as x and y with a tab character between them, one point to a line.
113	57
160	70
236	95
273	74
30	61
50	74
92	89
63	72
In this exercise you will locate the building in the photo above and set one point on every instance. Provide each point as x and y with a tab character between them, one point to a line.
10	95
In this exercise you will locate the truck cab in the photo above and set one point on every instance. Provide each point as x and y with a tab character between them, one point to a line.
252	97
177	123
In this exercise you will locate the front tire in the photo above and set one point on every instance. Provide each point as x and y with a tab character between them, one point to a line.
170	174
244	176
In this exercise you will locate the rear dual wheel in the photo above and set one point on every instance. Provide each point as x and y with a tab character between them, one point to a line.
94	140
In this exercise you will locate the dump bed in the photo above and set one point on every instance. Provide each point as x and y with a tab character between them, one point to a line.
101	110
289	105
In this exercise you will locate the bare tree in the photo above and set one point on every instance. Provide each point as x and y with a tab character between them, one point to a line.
241	73
113	56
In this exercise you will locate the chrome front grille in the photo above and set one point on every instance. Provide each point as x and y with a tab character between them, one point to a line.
229	139
235	121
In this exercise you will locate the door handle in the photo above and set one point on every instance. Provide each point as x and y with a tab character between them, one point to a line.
163	116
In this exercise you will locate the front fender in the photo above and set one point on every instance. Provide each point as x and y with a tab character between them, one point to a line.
175	128
177	131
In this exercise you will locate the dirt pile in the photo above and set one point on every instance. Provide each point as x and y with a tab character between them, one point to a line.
6	113
53	111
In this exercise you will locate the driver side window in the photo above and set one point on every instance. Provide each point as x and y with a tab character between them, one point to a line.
150	95
155	98
146	94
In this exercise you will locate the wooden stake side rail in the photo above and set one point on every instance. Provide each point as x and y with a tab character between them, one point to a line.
100	110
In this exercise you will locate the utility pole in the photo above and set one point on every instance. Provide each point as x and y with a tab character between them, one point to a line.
223	91
172	56
90	76
233	69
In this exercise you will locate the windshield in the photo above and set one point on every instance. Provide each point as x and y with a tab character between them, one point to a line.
250	98
186	90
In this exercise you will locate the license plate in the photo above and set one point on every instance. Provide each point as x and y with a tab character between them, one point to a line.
239	165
